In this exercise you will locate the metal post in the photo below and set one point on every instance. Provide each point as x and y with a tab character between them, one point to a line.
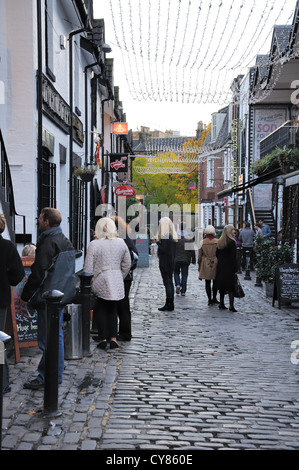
85	291
258	282
247	273
4	338
53	299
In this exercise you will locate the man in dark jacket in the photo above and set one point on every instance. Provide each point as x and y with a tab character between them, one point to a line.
11	273
183	257
49	244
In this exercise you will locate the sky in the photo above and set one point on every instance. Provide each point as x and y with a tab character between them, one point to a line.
174	60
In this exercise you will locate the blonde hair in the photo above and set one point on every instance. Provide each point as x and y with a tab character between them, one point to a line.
2	223
106	228
166	228
210	230
29	250
226	236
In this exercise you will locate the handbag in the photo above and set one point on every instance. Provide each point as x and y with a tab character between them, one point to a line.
238	290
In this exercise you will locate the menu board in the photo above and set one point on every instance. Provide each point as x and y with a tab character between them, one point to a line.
142	246
24	319
286	288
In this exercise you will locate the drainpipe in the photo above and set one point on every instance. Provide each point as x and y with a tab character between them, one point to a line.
39	108
71	35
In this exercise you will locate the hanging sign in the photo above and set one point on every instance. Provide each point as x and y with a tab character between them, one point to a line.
118	162
125	191
119	128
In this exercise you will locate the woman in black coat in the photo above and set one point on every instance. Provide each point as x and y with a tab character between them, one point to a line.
11	273
123	306
227	266
166	241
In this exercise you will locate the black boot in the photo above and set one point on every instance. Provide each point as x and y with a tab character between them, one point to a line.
170	305
164	306
231	302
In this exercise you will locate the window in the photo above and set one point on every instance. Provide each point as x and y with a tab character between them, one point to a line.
48	184
210	173
49	40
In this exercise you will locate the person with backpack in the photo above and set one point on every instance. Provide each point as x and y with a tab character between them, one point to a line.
51	242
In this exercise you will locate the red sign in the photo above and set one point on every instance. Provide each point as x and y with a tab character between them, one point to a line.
119	128
125	191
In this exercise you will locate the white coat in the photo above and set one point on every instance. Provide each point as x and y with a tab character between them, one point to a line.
109	261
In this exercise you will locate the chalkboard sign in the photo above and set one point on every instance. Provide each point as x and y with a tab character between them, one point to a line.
142	246
24	319
286	287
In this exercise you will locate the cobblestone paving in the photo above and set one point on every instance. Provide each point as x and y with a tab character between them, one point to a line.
192	379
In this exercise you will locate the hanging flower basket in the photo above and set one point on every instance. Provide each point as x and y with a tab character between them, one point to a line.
86	173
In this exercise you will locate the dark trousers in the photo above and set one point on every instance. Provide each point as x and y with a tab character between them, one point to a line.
105	316
124	313
168	283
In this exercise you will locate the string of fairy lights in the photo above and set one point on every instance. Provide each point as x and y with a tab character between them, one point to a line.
189	51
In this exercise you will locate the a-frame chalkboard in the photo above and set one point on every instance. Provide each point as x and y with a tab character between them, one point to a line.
286	286
23	319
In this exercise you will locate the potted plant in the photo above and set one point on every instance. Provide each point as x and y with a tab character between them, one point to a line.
287	159
269	256
86	173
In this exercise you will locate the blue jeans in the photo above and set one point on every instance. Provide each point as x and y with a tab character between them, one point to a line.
181	271
42	338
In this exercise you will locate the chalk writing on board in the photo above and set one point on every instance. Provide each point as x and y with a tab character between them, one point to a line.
286	283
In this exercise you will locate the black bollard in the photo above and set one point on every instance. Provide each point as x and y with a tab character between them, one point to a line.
53	299
85	291
258	282
247	272
4	338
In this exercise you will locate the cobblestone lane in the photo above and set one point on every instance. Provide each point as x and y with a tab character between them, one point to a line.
202	378
192	379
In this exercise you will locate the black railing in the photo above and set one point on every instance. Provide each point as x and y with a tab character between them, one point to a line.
286	135
7	196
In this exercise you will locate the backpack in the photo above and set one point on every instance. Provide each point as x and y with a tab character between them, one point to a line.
60	276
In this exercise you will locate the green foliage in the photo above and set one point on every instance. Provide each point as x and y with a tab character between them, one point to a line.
285	159
165	188
269	256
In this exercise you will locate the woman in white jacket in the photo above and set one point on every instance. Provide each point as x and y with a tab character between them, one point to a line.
109	260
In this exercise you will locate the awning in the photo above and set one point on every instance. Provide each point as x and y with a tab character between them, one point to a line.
274	176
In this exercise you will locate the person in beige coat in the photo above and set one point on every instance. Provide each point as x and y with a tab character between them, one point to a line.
109	260
207	262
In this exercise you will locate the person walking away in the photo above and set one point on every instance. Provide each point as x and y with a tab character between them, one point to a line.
50	243
226	266
11	273
246	237
184	256
123	306
108	259
207	263
167	240
266	231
